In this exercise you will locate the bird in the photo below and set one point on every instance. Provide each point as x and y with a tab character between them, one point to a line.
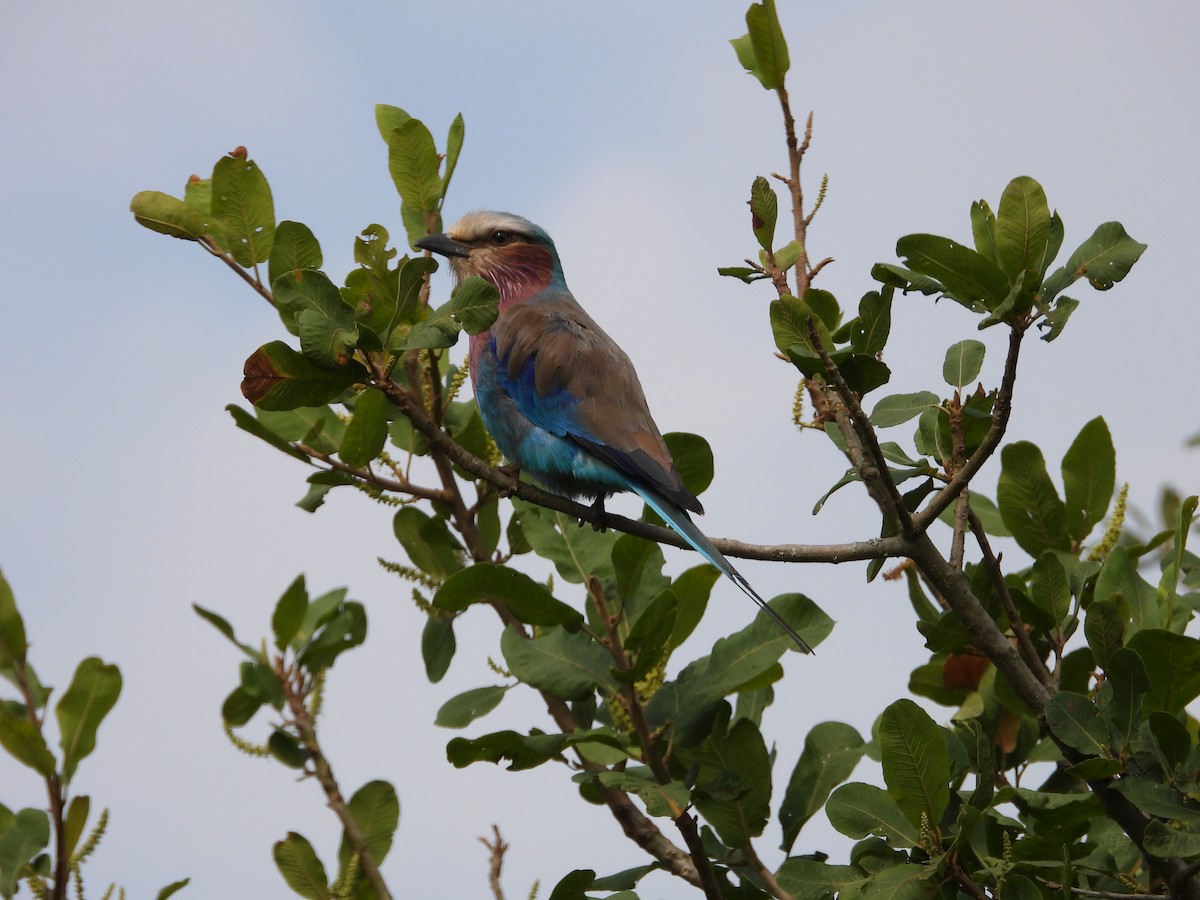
560	398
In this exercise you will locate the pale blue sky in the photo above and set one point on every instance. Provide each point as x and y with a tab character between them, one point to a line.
630	133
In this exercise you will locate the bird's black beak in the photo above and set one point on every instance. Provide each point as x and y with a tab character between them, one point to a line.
444	244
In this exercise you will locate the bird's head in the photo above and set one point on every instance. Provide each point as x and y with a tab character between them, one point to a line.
512	253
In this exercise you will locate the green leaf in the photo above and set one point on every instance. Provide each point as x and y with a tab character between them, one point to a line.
916	764
320	484
895	409
27	833
770	52
983	229
789	325
239	707
531	602
226	629
413	164
461	711
1076	722
74	823
1164	841
376	810
317	426
831	752
742	273
288	750
294	248
243	213
167	215
576	552
1171	739
24	742
438	646
737	659
387	118
346	630
1022	228
1056	319
733	783
967	277
300	867
893	276
1126	675
1028	502
454	142
561	663
691	589
173	888
12	627
693	458
807	878
289	613
1173	665
472	307
1120	583
248	423
662	800
963	362
367	430
764	210
907	881
93	692
323	320
648	639
787	255
1089	471
1104	629
1050	589
525	751
874	323
1104	259
428	542
279	378
857	810
1173	563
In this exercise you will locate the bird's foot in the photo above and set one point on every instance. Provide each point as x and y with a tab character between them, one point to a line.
598	511
513	470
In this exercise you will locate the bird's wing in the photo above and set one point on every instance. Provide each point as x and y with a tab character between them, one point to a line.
570	378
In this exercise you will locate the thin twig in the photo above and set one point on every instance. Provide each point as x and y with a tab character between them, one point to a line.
947	495
510	486
368	477
767	876
1103	895
295	697
685	822
871	464
54	788
208	244
496	848
1032	659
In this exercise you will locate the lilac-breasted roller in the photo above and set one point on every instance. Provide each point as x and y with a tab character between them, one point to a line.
558	395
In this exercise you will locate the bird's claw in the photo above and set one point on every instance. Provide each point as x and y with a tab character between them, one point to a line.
513	471
599	524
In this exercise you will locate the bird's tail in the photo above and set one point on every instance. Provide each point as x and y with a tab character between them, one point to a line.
683	525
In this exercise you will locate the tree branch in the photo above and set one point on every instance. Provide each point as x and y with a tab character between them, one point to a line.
509	486
947	495
208	244
496	851
1032	659
294	696
685	822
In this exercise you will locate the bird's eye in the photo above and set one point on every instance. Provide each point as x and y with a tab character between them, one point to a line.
501	237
